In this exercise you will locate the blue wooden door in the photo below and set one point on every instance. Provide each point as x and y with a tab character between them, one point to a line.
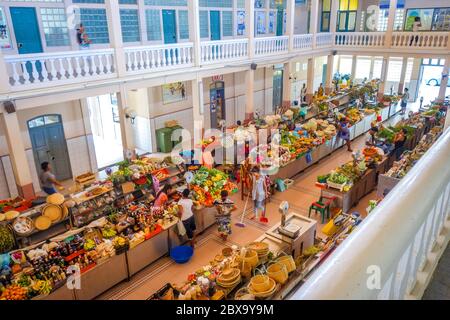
169	26
49	144
280	20
214	24
26	30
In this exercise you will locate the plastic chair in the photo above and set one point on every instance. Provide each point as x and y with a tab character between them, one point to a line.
320	207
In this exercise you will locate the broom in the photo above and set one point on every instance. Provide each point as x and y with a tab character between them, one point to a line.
241	223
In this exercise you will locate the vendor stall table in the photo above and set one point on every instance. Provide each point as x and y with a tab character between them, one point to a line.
147	252
102	277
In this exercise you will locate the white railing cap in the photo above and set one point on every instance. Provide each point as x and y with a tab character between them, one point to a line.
383	237
160	46
58	54
228	41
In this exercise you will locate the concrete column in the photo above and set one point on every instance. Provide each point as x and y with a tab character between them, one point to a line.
88	132
250	26
310	80
19	161
287	84
290	25
194	29
142	21
313	20
353	72
372	63
390	25
333	17
384	73
115	35
72	24
197	100
401	85
329	80
249	94
126	128
444	81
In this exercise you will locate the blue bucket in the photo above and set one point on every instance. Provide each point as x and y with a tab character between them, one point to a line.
181	254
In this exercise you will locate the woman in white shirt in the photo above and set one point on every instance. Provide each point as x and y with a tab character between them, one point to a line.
187	216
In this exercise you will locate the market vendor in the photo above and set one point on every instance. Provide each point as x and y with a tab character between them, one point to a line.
187	216
224	207
371	139
48	179
399	143
259	193
162	196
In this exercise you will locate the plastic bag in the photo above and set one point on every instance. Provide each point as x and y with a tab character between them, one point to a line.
181	228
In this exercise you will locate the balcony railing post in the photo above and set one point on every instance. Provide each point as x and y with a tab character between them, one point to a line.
5	87
250	27
290	22
115	36
194	30
390	24
313	21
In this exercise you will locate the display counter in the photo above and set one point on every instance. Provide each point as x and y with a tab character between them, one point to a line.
102	277
147	252
360	188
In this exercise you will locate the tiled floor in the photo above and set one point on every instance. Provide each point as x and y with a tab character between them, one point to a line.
439	287
300	196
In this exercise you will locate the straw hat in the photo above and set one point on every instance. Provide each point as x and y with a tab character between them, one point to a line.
56	199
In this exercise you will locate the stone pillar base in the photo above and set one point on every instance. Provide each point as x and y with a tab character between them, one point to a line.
380	96
27	191
401	86
309	97
328	90
249	116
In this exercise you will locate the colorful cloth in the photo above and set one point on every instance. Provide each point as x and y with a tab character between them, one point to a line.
224	225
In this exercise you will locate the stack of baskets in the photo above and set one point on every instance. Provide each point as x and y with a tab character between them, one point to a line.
261	248
229	278
262	286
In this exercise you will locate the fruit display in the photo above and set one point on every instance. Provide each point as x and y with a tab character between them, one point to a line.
208	183
372	154
409	158
354	115
338	178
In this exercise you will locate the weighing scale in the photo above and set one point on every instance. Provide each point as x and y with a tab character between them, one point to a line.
290	230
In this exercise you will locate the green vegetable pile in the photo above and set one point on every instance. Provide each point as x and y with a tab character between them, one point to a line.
338	178
6	240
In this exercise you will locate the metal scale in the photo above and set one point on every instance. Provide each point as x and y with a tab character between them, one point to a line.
290	230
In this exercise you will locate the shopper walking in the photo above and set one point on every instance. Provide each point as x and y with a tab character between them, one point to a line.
344	133
259	194
415	28
303	94
187	216
48	179
83	38
224	207
404	101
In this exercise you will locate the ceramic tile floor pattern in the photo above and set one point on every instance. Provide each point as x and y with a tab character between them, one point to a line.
300	196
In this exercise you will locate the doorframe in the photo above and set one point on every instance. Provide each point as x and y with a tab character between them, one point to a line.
10	23
281	87
213	86
37	165
219	24
175	25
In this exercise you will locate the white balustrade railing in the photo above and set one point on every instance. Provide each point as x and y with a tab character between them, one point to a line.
360	39
393	252
324	40
165	56
271	45
47	69
303	41
223	50
426	40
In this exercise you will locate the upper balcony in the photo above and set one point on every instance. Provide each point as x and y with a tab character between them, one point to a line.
33	71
